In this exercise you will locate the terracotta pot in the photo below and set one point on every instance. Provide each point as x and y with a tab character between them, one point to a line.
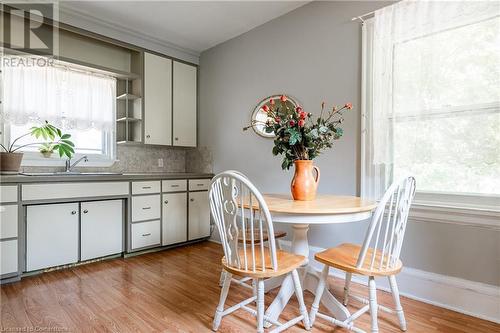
304	183
10	162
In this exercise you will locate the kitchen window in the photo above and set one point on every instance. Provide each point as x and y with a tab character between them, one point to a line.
431	101
78	100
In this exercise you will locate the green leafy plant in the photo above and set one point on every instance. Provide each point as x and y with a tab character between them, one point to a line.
298	135
55	140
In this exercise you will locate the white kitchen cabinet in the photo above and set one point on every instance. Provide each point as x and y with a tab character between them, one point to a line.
174	221
51	235
8	256
157	100
199	215
184	104
101	232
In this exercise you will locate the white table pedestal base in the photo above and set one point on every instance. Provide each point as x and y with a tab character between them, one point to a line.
310	280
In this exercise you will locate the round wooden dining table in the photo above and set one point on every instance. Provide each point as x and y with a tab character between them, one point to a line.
325	209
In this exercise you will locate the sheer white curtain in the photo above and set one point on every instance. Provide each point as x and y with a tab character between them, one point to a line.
68	98
424	61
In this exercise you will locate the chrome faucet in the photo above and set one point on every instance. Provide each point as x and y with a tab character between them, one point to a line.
69	166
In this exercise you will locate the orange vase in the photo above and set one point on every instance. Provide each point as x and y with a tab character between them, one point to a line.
304	183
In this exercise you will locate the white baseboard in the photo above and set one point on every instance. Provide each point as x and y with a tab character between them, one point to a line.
464	296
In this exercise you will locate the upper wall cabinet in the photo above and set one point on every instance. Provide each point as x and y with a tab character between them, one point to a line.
184	104
157	100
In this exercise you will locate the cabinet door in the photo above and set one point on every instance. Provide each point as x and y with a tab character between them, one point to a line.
51	235
174	221
157	100
199	215
184	103
8	256
101	228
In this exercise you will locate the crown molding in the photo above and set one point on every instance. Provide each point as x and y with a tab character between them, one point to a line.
84	20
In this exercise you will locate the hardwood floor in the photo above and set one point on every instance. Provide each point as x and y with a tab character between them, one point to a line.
175	291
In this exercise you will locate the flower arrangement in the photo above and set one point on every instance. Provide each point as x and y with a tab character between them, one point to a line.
297	135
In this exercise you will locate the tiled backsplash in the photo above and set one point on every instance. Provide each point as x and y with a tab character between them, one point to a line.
145	159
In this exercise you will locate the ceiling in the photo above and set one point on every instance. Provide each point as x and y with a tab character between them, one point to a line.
192	25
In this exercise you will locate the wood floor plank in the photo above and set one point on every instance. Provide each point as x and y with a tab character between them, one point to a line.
177	291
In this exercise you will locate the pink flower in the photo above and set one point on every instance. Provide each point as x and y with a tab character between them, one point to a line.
277	119
292	122
348	106
271	101
283	98
265	108
302	115
298	109
302	122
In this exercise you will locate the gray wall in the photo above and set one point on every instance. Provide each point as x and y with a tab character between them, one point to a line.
314	54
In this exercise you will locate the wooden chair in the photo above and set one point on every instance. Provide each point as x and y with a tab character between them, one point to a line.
233	198
246	238
378	256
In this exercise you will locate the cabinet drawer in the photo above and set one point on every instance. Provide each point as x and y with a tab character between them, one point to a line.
73	190
8	221
8	193
8	256
145	234
174	185
145	187
199	184
146	207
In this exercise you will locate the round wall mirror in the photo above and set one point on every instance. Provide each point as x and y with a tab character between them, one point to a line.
259	117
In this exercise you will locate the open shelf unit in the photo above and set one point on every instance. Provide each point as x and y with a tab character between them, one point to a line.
129	110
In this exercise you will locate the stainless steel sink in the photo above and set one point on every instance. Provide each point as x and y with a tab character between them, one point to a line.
72	173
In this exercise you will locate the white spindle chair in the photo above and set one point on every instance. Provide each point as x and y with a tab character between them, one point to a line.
378	256
236	205
245	237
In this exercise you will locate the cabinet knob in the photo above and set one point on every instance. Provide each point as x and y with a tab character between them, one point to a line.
166	201
148	136
192	199
73	212
85	211
176	139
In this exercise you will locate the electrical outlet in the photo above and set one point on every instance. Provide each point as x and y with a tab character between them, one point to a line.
160	162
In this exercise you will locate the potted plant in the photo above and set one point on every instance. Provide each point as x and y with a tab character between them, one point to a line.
300	139
10	158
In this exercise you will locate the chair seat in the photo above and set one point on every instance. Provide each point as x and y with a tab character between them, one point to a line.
345	257
256	236
287	262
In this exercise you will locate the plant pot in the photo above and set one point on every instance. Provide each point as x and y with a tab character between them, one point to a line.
304	183
47	154
10	162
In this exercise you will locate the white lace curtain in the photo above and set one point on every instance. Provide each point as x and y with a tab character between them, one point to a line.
415	60
66	97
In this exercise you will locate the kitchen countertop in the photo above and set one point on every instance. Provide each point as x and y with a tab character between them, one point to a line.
20	178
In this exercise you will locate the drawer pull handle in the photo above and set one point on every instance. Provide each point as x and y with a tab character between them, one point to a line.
146	208
192	199
166	201
146	187
174	185
200	184
85	211
145	235
73	212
